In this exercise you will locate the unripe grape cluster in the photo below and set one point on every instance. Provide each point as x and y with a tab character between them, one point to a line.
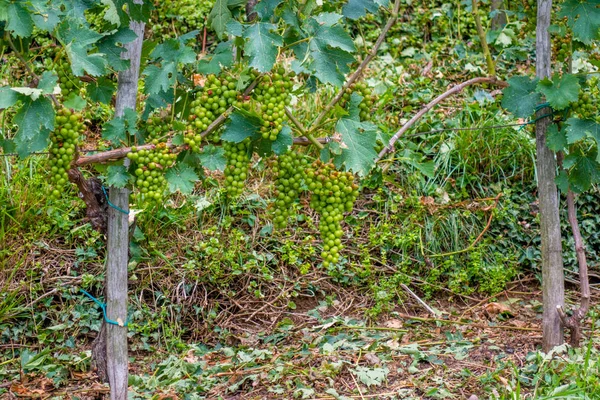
214	99
367	102
585	107
271	96
289	169
238	162
150	166
68	127
68	82
332	194
157	129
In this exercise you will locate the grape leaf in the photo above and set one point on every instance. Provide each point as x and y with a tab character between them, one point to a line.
35	118
560	91
223	57
556	139
284	141
48	82
584	173
357	142
114	130
234	28
101	90
159	79
521	96
181	178
110	45
262	45
111	13
355	9
213	158
583	17
45	15
33	93
219	17
578	129
81	61
266	8
75	102
19	19
241	127
8	97
562	181
329	64
117	176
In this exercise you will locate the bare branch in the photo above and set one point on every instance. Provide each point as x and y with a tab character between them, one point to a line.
302	129
456	89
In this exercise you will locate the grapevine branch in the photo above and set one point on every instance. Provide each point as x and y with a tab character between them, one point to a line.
302	129
356	74
484	45
454	90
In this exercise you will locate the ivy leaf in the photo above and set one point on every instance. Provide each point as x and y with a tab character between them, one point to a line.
241	127
267	8
583	17
8	97
35	119
181	178
355	9
560	91
283	142
556	139
117	176
213	158
357	142
114	130
262	45
219	17
101	90
222	58
521	96
19	19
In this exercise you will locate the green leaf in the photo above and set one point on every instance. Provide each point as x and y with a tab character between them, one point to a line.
578	129
111	46
330	64
35	120
33	93
560	91
159	79
283	142
241	127
583	17
262	45
181	178
371	376
213	158
357	142
114	130
219	17
75	102
584	173
101	90
81	61
222	58
48	82
45	14
266	8
562	181
355	9
117	176
8	97
521	96
19	19
556	139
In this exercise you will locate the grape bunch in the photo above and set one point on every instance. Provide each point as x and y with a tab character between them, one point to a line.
150	167
157	129
290	170
68	82
530	8
63	147
214	99
238	162
586	106
367	102
271	96
332	194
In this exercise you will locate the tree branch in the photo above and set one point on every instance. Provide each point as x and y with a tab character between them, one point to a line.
302	129
456	89
391	21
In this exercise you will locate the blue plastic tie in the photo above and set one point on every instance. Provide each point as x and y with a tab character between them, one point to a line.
103	307
113	205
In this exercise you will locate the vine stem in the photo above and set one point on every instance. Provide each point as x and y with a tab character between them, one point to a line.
454	90
302	129
484	45
356	74
27	67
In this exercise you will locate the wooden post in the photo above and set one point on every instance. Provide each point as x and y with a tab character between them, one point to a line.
552	262
118	236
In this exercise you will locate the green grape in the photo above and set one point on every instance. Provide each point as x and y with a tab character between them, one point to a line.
367	103
333	193
238	164
585	107
290	173
271	96
149	167
68	82
68	127
175	18
213	100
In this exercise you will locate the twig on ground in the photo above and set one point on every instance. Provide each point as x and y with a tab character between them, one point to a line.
429	309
